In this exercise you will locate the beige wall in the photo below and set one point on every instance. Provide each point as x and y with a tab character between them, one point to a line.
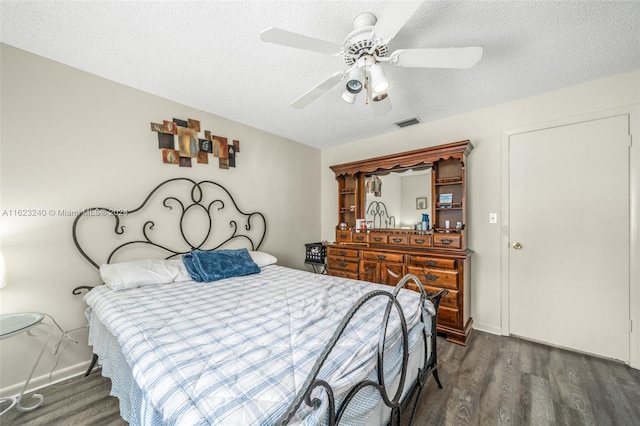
71	140
484	128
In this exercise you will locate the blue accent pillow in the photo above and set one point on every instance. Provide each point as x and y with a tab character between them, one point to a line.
207	266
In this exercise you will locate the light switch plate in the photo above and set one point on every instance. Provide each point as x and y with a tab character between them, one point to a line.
493	217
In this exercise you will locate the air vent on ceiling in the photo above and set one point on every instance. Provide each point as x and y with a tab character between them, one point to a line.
408	122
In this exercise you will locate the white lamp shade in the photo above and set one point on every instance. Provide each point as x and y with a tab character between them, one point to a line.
349	97
354	83
379	82
3	272
380	103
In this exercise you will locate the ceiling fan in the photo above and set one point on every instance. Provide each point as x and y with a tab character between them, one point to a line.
365	49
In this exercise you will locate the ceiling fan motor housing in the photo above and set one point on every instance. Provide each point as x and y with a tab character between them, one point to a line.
360	41
364	19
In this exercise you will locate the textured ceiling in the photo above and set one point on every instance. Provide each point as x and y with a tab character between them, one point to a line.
208	55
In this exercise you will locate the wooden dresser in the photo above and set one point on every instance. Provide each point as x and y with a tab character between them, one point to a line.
438	256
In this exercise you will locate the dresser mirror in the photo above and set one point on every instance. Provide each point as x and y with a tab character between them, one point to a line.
397	200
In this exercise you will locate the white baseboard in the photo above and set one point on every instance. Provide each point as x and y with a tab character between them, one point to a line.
487	329
43	381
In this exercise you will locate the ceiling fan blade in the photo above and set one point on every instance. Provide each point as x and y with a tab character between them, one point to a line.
299	41
317	91
454	57
393	18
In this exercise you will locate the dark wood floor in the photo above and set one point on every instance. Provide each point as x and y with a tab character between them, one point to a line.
508	381
79	401
492	381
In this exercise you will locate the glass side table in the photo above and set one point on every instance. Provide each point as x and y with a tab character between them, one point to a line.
12	325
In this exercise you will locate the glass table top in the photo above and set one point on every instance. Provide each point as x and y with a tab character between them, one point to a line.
11	324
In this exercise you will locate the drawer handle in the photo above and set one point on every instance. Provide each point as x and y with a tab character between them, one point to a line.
431	263
397	240
342	264
420	241
446	241
343	253
431	277
359	238
344	235
382	257
377	239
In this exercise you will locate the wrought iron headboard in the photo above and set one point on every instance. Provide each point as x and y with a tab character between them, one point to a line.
206	202
378	211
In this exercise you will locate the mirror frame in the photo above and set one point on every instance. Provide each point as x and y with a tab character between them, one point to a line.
425	157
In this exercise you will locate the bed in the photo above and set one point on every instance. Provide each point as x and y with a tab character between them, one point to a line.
263	345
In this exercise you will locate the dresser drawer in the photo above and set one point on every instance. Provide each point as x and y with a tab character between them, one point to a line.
447	317
378	238
420	240
340	252
432	262
450	300
382	256
398	239
447	240
343	236
360	237
435	277
342	265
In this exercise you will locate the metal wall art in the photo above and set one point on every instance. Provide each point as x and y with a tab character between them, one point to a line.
190	146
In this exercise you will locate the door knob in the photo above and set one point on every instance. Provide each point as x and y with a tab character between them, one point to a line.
517	246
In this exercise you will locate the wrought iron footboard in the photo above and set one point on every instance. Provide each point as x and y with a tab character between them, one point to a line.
397	403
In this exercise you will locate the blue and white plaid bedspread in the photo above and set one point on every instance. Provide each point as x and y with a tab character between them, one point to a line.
236	351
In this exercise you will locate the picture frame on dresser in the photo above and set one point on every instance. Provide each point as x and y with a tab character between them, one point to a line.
445	200
421	203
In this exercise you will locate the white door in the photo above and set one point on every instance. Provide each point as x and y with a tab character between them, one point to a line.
569	236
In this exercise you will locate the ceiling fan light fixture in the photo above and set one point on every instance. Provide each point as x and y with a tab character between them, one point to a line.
348	97
379	82
377	97
380	103
354	83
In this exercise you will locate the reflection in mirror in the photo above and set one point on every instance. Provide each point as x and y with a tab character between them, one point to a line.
378	216
398	199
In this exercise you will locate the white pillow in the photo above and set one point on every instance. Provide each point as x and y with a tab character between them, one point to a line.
262	259
125	275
